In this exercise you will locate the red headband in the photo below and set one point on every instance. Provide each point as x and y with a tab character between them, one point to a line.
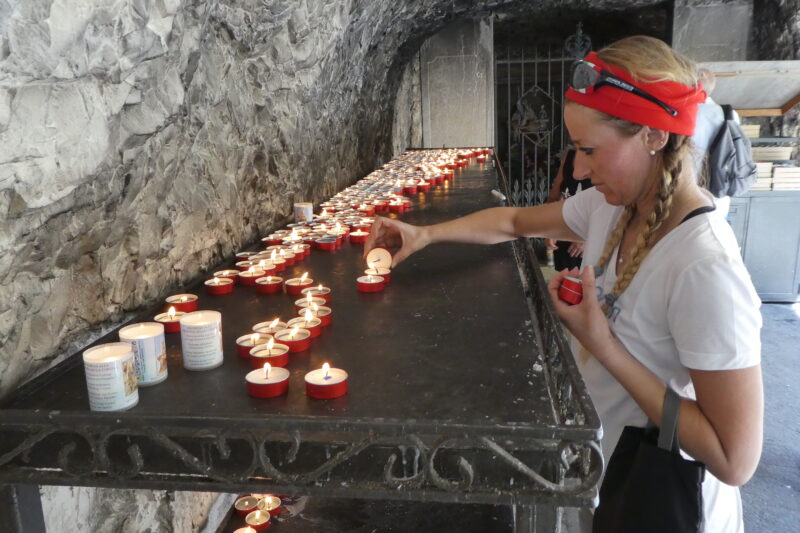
628	106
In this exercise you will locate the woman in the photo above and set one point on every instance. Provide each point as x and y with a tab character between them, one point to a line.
672	304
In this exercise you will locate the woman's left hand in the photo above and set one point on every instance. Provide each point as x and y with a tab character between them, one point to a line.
586	320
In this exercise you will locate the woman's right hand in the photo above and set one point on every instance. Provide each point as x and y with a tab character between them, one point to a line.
398	237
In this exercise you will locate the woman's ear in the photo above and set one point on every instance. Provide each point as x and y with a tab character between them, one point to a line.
654	139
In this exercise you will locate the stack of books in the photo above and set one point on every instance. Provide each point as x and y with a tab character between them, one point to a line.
763	176
751	130
772	153
785	178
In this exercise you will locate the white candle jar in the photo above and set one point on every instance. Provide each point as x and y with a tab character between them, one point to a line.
111	377
201	340
149	351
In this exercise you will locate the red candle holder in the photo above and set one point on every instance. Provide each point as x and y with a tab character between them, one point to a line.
258	520
288	257
269	328
244	255
437	180
271	504
246	343
371	283
424	187
358	237
385	273
320	291
325	243
367	210
230	274
381	206
183	302
271	240
276	355
248	277
219	286
396	207
297	341
269	284
324	313
305	303
481	159
312	324
171	322
295	285
410	189
246	505
571	290
244	265
267	382
326	383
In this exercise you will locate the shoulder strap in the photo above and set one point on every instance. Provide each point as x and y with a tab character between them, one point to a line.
727	111
668	433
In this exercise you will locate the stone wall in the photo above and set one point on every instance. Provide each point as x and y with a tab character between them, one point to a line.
407	126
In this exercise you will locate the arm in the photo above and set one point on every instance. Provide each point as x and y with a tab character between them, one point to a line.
555	190
490	226
722	428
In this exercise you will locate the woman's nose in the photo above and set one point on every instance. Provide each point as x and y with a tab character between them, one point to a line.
580	168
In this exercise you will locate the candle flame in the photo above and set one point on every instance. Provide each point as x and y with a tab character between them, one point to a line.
320	287
309	298
274	322
216	280
369	278
267	368
303	277
254	338
324	228
309	316
262	264
293	332
171	313
274	254
251	269
314	307
326	368
184	299
371	266
270	344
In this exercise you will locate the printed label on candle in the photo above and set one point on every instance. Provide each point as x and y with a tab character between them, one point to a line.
149	351
111	377
201	340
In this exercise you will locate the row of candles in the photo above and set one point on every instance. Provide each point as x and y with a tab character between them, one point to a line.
115	370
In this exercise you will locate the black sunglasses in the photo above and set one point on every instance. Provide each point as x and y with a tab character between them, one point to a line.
586	77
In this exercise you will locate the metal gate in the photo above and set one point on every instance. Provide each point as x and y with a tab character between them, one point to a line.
530	136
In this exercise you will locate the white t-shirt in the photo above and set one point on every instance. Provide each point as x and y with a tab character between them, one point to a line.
690	305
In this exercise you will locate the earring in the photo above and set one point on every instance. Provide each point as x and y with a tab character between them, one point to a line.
652	152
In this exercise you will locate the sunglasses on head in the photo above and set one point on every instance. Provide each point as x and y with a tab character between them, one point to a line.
586	77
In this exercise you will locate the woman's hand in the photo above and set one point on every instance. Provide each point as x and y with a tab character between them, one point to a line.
575	249
586	320
400	238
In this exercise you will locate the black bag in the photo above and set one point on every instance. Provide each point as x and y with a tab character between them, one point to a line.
648	486
731	170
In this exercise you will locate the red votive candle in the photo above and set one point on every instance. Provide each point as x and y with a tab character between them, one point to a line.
325	243
230	274
246	505
271	240
269	284
295	285
267	382
322	312
183	302
358	237
258	520
370	283
246	343
326	383
308	321
271	504
171	320
244	264
320	291
307	301
249	277
275	354
269	328
424	186
385	273
296	339
571	290
219	286
410	188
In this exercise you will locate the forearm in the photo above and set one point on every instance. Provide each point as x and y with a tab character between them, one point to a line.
733	464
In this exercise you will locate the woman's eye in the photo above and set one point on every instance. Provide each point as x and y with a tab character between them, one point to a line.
587	151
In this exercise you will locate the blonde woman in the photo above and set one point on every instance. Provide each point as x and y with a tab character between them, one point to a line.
672	304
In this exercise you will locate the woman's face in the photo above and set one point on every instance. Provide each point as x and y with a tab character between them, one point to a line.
618	165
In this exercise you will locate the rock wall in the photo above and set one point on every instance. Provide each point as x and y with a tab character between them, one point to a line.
407	125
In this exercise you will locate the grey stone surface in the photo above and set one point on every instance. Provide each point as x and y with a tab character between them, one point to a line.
407	126
712	31
457	78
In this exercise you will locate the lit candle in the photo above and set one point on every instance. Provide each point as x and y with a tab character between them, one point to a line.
271	504
232	275
246	505
326	383
246	343
269	284
279	262
149	351
295	285
267	382
258	520
370	283
219	286
183	302
325	243
250	276
358	236
171	320
296	339
306	301
322	312
269	328
307	321
320	291
244	265
277	355
383	272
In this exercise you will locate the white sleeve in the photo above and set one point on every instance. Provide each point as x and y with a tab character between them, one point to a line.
714	315
578	209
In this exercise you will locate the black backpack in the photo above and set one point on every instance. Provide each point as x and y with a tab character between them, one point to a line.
731	170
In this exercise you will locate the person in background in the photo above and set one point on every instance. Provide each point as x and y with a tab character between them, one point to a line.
672	304
566	254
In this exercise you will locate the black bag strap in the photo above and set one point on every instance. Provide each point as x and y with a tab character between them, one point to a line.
668	433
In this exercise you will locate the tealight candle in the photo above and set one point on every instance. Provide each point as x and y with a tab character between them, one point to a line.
271	504
358	237
279	262
246	343
305	248
307	321
295	285
326	382
244	255
267	382
370	283
383	272
322	312
320	291
269	328
219	286
287	256
171	320
410	188
326	243
232	275
244	264
302	303
273	353
183	302
111	377
571	290
246	505
296	339
423	186
149	351
269	284
249	277
258	520
245	529
273	239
